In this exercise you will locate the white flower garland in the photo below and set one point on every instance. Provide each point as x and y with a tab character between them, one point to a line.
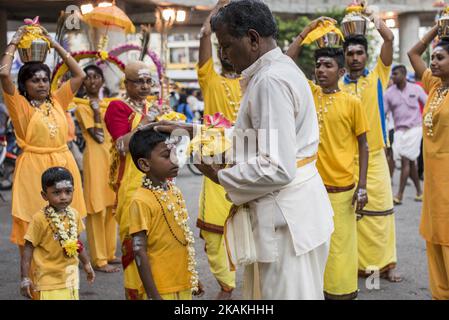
67	239
179	211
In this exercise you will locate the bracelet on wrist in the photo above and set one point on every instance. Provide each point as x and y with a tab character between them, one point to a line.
25	282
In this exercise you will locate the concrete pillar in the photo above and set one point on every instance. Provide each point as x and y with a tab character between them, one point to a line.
408	35
3	30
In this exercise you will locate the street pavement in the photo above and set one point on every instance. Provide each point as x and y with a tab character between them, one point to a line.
412	262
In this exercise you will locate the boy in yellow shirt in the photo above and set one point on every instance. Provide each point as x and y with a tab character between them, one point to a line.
222	94
52	245
343	125
162	242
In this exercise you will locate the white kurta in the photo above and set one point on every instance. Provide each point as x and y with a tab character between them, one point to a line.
277	98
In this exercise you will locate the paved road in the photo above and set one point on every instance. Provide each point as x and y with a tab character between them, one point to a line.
410	247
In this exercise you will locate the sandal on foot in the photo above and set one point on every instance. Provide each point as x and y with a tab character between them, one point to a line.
419	198
397	201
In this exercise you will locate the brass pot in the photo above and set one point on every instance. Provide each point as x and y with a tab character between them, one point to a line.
354	24
443	27
330	39
37	52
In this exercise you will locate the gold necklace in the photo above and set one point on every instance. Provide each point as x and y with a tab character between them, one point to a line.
235	105
437	100
137	107
323	108
48	116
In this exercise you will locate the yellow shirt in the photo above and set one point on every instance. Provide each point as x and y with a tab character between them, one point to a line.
96	161
220	93
344	120
167	256
370	88
52	269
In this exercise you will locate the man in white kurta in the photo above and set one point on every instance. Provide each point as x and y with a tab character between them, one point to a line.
291	215
290	210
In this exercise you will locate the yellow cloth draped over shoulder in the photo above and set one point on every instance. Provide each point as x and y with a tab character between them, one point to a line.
43	147
126	179
98	194
96	159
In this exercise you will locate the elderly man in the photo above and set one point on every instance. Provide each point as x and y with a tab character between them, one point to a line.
290	211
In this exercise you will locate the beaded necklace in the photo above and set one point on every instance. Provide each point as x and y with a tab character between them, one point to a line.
48	116
137	107
235	105
441	93
68	239
323	108
179	211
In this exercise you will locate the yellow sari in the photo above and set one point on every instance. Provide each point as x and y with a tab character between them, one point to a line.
43	147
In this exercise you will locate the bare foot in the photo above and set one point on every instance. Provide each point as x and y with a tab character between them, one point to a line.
107	268
391	275
115	261
224	295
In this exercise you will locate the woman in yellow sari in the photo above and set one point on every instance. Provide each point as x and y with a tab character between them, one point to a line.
434	226
40	124
101	226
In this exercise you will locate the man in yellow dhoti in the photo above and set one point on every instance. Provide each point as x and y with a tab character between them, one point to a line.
40	124
376	230
122	118
99	196
343	126
221	93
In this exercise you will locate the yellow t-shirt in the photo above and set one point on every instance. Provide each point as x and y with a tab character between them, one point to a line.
220	93
167	256
370	88
344	120
96	161
52	269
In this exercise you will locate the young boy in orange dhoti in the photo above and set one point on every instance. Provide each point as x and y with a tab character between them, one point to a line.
52	245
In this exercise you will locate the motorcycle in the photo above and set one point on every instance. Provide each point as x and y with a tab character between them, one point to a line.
9	151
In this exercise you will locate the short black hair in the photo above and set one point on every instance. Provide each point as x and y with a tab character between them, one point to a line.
354	40
443	43
241	15
54	175
95	68
334	53
27	71
400	67
143	142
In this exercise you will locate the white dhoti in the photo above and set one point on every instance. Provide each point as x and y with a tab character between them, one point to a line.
291	277
407	143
